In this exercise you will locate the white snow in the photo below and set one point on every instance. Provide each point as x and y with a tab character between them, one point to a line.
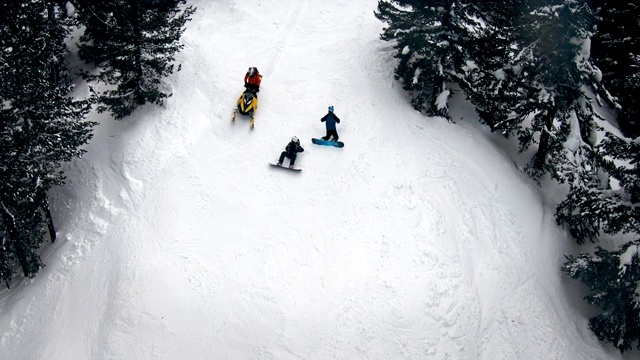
441	100
574	140
418	240
416	76
71	10
627	257
469	66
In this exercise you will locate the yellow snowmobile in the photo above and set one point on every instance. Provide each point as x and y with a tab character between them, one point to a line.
247	105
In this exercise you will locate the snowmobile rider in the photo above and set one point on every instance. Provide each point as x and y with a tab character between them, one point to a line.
252	80
291	151
330	121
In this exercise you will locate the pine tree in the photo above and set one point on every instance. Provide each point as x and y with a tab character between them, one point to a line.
608	201
594	206
616	51
612	278
430	44
493	84
554	112
589	202
41	127
133	44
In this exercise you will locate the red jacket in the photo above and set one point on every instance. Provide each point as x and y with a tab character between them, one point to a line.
253	80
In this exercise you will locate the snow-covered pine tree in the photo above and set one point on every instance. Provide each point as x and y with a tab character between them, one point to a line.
554	70
588	203
616	51
609	203
612	278
593	205
430	39
133	43
492	83
40	127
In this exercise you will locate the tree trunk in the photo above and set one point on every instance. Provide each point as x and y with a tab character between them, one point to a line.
47	213
53	22
12	230
136	19
545	137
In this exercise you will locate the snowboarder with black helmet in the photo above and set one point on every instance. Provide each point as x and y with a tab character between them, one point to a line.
291	151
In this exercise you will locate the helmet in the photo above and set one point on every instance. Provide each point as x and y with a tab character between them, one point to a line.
295	140
331	108
252	71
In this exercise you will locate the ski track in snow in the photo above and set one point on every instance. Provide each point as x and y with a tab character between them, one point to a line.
399	246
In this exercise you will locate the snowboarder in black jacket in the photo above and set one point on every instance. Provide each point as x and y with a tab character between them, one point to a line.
291	151
330	120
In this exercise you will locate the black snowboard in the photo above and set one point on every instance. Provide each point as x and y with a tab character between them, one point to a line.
285	167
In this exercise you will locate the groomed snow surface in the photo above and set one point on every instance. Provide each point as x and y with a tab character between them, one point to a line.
418	240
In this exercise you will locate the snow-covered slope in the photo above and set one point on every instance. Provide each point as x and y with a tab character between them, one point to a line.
417	240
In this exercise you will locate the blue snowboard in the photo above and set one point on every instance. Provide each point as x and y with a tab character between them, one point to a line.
337	144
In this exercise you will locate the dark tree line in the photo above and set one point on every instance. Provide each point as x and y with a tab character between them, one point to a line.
528	67
41	126
132	44
616	50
